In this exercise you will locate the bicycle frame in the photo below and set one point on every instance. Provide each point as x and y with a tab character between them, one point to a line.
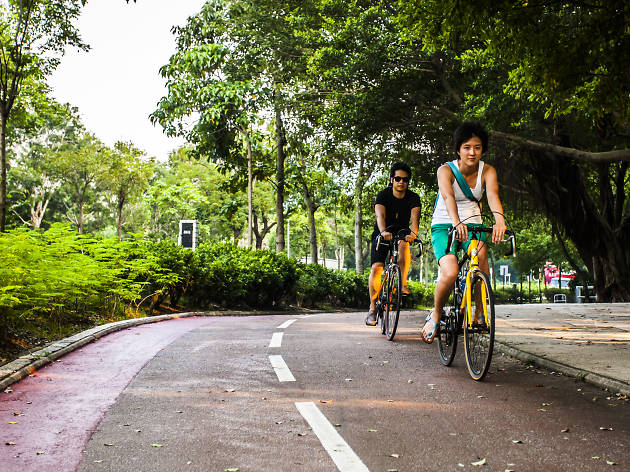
472	254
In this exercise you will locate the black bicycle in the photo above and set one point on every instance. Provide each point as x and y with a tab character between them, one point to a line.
473	302
389	299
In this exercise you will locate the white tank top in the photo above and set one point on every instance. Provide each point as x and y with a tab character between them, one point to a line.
469	211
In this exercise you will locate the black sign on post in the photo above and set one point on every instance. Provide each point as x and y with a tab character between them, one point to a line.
188	233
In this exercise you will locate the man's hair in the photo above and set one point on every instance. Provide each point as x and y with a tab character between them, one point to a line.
399	166
468	130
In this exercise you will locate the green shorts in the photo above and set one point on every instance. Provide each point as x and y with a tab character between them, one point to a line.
439	239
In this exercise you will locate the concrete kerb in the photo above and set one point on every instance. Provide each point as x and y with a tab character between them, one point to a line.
24	366
601	381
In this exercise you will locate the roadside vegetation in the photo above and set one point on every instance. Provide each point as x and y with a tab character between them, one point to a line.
292	112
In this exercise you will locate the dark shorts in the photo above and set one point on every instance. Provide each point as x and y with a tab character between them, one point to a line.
381	254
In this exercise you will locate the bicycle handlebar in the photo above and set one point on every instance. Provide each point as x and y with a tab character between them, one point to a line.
398	236
484	229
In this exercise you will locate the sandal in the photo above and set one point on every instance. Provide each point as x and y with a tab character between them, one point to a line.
434	329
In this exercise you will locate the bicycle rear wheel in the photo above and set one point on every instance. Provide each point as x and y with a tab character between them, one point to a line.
449	327
479	337
392	310
382	300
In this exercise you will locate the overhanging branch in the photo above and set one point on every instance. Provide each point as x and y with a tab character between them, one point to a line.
620	155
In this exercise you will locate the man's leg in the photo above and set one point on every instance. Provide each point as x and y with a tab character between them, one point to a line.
374	284
404	261
448	274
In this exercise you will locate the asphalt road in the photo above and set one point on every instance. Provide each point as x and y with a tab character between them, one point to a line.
211	400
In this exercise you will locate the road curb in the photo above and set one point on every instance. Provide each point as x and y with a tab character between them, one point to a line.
601	381
24	366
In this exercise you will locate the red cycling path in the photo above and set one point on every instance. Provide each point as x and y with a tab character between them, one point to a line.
79	387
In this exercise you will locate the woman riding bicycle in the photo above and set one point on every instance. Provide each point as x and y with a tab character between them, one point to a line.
394	207
454	209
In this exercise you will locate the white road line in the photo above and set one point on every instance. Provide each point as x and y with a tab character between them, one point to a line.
276	340
281	368
286	324
342	455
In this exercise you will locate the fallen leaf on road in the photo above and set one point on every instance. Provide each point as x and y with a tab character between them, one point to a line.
13	422
301	434
539	385
395	456
611	463
565	430
410	381
178	411
348	380
9	443
517	441
460	465
8	390
595	457
230	390
325	401
372	430
157	445
39	453
479	463
604	428
337	425
232	469
541	409
107	444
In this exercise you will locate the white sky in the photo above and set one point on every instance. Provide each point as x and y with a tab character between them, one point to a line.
116	85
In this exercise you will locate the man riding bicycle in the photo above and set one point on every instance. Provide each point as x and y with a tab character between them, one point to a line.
394	207
454	209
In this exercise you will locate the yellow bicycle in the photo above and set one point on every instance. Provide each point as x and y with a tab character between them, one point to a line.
471	310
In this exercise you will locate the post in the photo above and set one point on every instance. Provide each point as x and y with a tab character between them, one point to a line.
288	238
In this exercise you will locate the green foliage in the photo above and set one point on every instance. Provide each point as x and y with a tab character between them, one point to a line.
231	276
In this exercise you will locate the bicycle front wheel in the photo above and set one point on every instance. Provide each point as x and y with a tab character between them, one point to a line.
479	326
392	310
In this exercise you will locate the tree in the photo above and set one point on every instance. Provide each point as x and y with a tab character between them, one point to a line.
32	33
81	166
127	177
550	79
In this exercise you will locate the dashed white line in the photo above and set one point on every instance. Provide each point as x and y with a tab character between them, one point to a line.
286	324
340	452
276	340
281	368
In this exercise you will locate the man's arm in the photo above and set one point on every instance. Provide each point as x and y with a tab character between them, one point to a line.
445	185
494	202
380	221
415	224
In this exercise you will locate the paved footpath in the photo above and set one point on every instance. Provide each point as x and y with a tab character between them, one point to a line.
587	341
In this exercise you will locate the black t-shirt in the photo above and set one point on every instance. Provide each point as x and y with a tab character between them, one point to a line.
397	210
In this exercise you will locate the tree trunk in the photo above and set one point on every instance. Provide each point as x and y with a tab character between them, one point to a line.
250	192
280	158
358	218
38	208
603	244
3	171
311	209
121	202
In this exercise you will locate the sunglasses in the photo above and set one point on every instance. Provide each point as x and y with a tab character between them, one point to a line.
398	178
